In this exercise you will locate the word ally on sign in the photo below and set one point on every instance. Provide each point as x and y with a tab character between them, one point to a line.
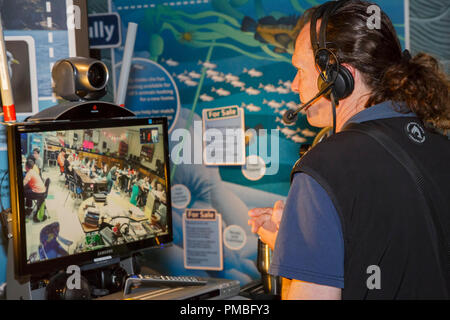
104	31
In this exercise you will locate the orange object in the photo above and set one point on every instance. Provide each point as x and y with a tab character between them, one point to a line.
9	113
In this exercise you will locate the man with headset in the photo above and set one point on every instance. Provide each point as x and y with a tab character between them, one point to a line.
367	213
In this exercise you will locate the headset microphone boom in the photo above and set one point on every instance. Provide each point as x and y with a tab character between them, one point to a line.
290	115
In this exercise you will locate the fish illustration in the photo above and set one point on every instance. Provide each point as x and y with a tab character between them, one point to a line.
280	33
218	78
298	139
287	132
283	90
308	133
208	65
210	73
231	77
268	87
183	77
287	83
251	91
253	73
205	97
251	107
292	105
194	75
172	63
273	104
221	92
190	83
238	84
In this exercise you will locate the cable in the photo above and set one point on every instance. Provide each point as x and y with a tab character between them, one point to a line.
325	132
333	107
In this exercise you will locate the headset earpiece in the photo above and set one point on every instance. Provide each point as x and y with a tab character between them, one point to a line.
331	72
344	84
343	81
322	59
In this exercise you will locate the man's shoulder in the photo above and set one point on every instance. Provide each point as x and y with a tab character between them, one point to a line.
339	145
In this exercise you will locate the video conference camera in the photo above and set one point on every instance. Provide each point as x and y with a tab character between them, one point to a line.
81	82
80	78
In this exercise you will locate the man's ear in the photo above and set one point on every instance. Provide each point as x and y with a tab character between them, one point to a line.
352	70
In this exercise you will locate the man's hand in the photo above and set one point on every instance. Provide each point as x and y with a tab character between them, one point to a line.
301	290
266	221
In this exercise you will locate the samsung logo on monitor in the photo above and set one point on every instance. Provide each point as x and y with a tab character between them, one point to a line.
100	253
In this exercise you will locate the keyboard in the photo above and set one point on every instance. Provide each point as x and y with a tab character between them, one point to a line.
161	280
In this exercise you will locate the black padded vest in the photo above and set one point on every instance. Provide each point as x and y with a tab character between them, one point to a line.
383	219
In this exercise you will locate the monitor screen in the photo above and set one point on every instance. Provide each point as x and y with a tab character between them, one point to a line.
78	201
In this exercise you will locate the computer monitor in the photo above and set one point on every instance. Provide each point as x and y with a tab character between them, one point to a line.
91	204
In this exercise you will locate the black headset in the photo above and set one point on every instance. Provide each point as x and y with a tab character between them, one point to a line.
335	82
331	73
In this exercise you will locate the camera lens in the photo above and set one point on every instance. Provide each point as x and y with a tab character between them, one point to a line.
97	75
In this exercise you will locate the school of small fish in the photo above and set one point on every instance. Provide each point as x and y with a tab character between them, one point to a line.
282	87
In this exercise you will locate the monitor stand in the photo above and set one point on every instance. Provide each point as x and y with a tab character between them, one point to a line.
34	289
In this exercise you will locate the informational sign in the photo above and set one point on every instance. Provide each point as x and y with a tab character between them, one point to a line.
104	31
202	239
181	196
234	237
254	168
151	91
223	136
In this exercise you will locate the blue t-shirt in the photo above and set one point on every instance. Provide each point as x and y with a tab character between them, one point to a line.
310	244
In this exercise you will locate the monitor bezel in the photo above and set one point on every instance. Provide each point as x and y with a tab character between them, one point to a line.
22	268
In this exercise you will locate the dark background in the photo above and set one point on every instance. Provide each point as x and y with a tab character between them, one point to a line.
20	80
